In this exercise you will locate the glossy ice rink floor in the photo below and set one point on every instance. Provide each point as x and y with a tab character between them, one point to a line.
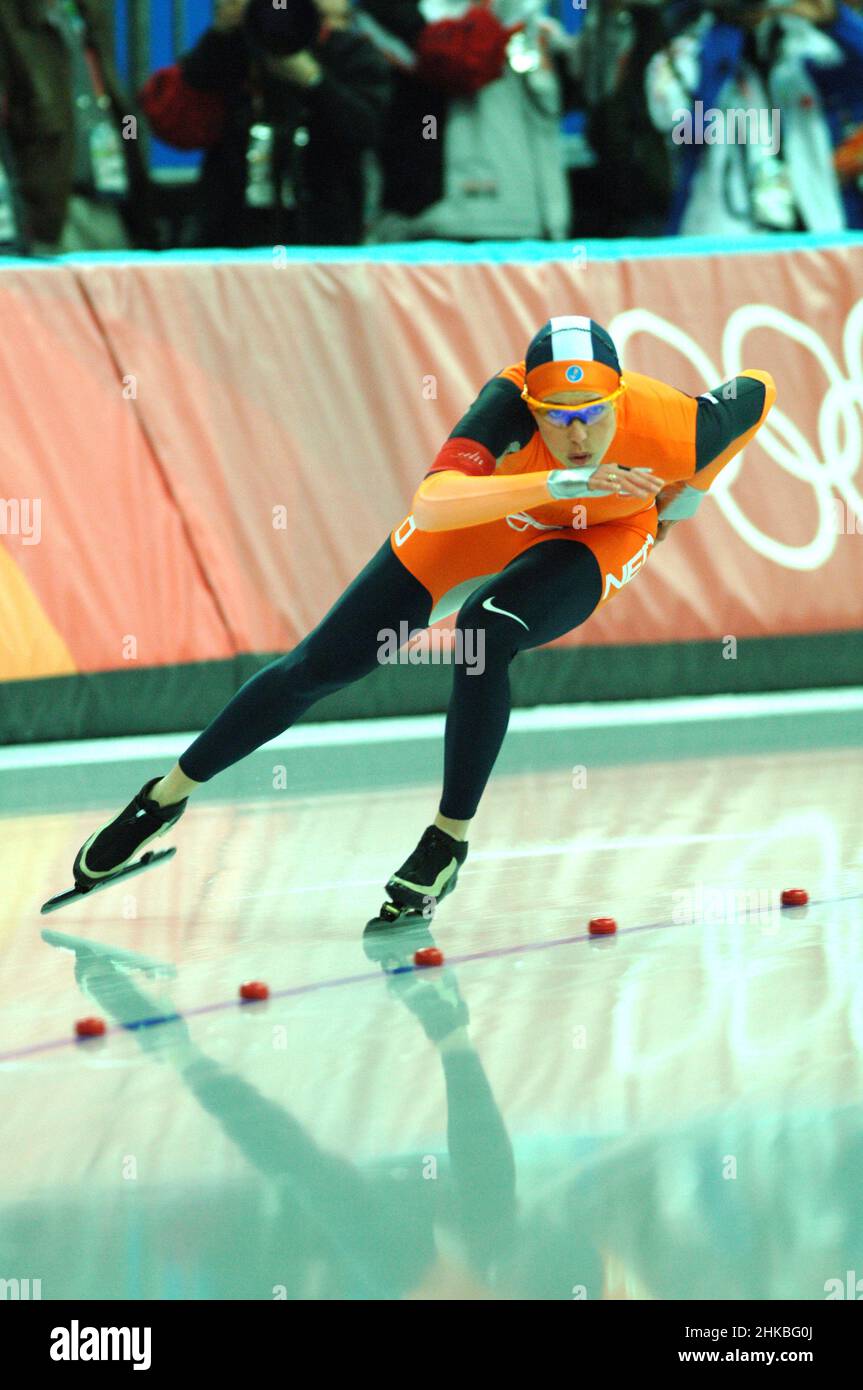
673	1112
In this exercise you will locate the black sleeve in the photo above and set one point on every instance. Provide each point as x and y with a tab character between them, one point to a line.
497	418
400	17
724	414
355	91
219	62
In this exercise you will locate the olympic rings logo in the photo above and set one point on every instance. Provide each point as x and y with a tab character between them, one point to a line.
828	464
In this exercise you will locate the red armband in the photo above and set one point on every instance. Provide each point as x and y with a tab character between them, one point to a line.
465	456
182	116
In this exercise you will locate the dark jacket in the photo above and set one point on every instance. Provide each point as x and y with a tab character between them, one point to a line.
12	242
338	120
453	60
35	72
412	166
628	191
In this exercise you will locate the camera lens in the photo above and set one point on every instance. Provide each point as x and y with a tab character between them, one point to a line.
281	31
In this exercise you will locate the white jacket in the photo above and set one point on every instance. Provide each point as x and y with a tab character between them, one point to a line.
504	174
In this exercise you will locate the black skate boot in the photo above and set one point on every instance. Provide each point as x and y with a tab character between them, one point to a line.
112	846
425	877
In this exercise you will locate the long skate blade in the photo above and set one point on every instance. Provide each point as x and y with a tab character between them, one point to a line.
147	861
389	921
393	949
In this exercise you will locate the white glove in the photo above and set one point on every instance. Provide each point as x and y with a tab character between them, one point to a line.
683	505
564	483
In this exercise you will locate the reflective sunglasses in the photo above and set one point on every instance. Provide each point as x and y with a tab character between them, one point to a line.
564	415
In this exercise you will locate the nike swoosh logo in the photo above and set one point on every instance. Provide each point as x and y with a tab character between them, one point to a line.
489	604
432	889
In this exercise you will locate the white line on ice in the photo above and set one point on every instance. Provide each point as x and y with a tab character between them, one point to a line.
708	709
531	852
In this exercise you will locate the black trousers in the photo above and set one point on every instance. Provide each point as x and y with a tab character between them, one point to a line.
543	593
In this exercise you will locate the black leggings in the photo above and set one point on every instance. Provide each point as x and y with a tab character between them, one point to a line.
544	592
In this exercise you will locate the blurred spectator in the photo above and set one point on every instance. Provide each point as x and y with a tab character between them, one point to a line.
11	230
473	146
802	60
286	104
849	167
627	192
82	180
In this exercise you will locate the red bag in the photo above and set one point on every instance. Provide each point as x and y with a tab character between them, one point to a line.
182	116
461	56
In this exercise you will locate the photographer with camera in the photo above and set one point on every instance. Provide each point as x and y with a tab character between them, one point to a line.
626	190
12	241
286	104
473	147
756	98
